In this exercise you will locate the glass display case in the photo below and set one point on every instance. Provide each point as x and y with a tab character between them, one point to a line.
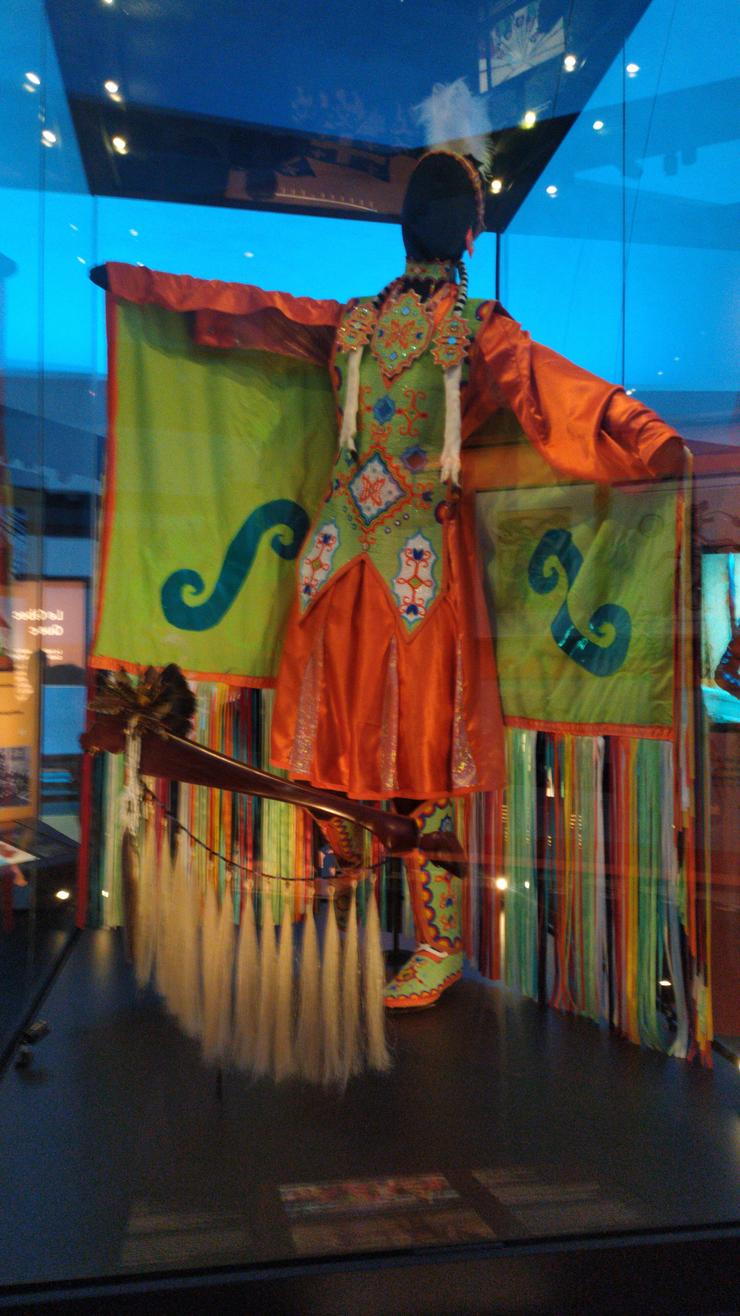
291	1013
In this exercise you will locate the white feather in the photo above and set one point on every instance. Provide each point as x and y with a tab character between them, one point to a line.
453	117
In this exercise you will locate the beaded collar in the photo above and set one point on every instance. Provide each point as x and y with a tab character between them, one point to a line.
399	327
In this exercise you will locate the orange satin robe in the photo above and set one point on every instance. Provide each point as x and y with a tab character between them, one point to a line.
584	427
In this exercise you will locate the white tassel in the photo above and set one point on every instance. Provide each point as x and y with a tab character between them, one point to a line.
131	795
176	934
266	1010
189	1002
378	1055
210	970
247	973
450	462
284	1057
351	1044
163	957
331	1067
308	1035
351	401
146	921
225	975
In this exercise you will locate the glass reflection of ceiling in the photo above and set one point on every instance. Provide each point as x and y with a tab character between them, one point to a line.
215	98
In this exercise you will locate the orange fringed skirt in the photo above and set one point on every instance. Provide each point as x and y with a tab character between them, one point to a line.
364	708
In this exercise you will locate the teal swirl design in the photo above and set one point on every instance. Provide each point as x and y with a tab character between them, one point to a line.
237	564
598	659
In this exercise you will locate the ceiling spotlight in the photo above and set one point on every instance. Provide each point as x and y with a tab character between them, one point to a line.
134	232
27	86
34	79
249	254
496	185
551	190
111	87
109	2
597	125
48	137
82	260
63	894
632	70
120	145
529	119
569	63
75	228
502	883
664	982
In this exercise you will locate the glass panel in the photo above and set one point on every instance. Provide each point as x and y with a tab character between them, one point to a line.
181	486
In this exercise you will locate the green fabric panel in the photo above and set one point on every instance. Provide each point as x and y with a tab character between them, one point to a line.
626	540
203	439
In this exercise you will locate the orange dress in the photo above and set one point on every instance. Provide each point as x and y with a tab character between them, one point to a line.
387	684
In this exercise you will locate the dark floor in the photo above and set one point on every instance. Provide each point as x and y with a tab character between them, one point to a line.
118	1155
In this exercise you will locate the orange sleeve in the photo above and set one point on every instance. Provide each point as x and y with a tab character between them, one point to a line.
228	315
584	427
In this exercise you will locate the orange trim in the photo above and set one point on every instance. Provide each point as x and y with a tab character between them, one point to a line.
110	463
591	728
182	292
101	663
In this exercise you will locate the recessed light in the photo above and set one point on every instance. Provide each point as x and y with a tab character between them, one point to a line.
569	63
111	87
597	125
134	232
63	894
529	119
551	190
496	185
632	70
48	137
34	79
82	260
502	883
249	254
120	145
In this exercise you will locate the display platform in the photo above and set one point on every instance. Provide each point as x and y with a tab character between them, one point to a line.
128	1156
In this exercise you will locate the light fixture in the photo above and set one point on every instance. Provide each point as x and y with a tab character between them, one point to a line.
82	260
629	392
569	63
530	119
526	886
496	185
119	144
63	894
551	190
134	232
34	79
75	228
632	70
249	255
28	86
597	125
665	983
111	87
104	894
109	2
48	137
502	883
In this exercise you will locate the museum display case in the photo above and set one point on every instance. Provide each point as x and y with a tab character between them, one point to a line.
370	669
